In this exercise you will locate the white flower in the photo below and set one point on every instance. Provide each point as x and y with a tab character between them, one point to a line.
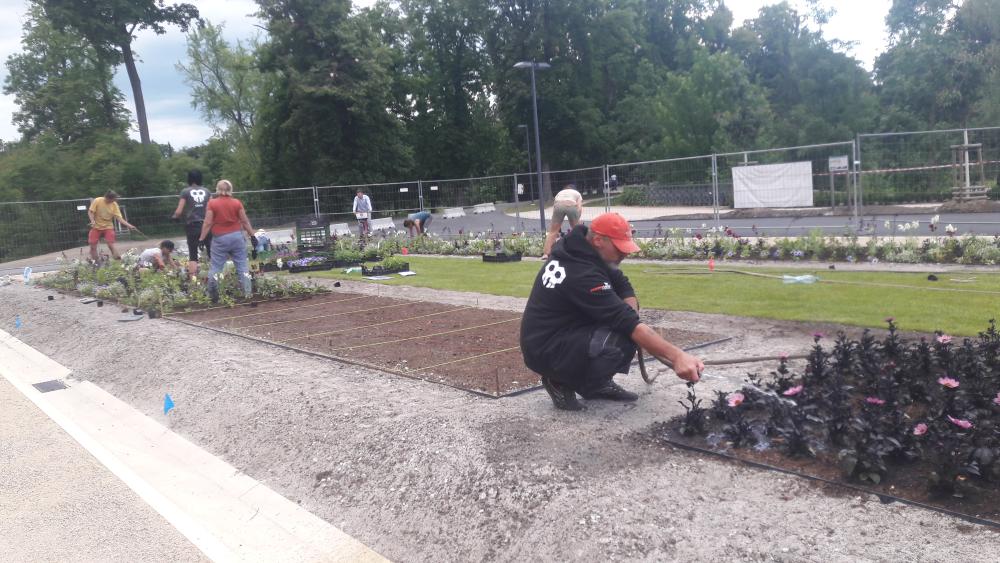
902	226
915	225
950	228
935	219
888	224
703	225
687	230
280	263
874	260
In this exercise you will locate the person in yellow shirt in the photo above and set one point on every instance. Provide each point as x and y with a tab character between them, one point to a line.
103	211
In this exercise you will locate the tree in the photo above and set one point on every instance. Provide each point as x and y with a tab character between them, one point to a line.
329	115
111	25
61	84
226	85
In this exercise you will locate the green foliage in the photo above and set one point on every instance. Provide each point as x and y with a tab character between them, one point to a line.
122	281
62	86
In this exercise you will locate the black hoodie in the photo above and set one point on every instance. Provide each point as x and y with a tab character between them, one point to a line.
574	293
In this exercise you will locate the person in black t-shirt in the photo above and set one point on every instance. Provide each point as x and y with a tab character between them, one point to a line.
194	198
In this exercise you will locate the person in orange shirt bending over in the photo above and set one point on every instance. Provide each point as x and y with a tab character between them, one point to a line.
103	211
226	220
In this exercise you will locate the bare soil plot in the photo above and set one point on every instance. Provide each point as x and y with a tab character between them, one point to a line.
466	347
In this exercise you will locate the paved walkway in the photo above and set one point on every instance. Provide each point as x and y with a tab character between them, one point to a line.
58	503
87	477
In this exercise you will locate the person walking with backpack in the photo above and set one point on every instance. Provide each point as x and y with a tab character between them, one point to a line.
195	199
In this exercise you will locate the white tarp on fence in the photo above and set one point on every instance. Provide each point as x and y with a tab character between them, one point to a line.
789	184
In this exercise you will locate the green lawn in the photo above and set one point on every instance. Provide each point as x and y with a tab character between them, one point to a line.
692	288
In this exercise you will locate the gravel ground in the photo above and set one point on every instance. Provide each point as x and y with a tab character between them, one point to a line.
421	472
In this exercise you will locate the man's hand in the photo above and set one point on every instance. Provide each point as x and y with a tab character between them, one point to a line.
688	367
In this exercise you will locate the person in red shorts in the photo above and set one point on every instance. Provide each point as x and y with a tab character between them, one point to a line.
103	211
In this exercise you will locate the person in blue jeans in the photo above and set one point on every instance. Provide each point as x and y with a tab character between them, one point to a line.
417	223
226	220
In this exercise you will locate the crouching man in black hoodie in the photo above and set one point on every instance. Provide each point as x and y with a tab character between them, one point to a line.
581	325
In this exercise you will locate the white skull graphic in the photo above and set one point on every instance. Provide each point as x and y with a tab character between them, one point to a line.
553	275
198	195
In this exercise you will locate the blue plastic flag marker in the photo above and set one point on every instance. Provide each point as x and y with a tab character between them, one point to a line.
27	274
168	403
17	321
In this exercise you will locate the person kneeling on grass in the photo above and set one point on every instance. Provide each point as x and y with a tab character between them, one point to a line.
581	324
417	223
158	258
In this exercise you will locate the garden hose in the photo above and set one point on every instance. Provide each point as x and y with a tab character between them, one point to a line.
700	272
723	362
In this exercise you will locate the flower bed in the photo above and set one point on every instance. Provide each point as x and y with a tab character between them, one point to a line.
310	264
719	243
920	418
385	269
502	257
162	292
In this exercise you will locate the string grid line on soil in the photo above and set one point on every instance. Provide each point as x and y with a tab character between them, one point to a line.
333	315
403	320
470	358
279	310
217	307
426	335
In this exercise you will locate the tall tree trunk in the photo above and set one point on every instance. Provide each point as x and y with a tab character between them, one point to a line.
133	78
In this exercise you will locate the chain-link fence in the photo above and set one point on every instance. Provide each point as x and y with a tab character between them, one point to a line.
649	190
929	166
895	168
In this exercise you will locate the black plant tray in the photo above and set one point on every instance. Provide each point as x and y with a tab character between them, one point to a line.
502	257
311	268
380	271
345	264
272	268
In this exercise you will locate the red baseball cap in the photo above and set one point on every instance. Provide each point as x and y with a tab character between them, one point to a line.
616	228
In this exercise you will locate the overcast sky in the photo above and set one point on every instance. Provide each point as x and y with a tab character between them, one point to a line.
168	103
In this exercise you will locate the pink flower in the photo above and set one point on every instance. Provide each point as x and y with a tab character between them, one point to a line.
793	391
964	424
948	382
874	401
944	339
735	399
997	400
920	429
817	336
783	356
890	319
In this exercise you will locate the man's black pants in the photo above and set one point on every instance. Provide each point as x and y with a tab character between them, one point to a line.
193	232
609	352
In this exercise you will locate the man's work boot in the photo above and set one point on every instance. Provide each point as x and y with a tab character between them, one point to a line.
562	396
612	392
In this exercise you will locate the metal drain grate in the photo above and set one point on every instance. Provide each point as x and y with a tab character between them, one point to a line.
51	385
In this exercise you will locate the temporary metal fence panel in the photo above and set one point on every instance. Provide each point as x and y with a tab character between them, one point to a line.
468	192
924	166
830	188
588	181
393	199
34	228
653	189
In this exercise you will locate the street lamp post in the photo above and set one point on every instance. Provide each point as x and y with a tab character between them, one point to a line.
527	150
538	143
